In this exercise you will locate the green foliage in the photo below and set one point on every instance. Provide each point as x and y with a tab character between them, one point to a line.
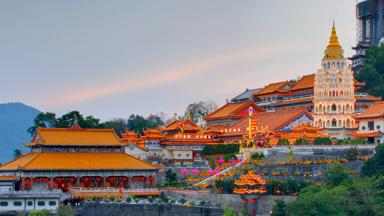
375	165
286	187
118	124
170	176
353	154
129	199
283	142
258	156
65	210
136	200
212	163
16	153
337	174
230	156
359	197
227	185
322	141
150	199
164	197
220	149
182	200
372	73
280	208
202	203
44	120
301	142
40	213
139	123
229	212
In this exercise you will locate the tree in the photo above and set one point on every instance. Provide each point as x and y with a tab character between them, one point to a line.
170	176
336	174
67	120
280	208
44	120
375	165
372	72
40	213
118	124
17	153
200	109
154	121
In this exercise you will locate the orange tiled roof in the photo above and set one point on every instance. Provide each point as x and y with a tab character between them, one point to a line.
375	110
232	109
185	124
273	87
306	81
367	134
301	100
70	136
272	120
76	161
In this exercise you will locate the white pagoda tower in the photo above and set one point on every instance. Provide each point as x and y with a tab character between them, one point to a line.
334	97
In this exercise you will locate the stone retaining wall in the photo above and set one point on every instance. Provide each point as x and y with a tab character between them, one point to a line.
123	209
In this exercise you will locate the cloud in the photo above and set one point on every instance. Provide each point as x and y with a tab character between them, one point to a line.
156	78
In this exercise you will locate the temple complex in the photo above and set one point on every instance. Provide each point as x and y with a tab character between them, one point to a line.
63	158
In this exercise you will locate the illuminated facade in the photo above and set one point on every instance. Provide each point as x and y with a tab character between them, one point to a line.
334	93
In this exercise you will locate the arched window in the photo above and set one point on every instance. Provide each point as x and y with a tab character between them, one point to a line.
348	124
334	123
334	108
328	124
340	124
320	108
328	109
339	109
347	108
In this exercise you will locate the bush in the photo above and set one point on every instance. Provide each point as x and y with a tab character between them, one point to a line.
283	142
40	213
353	154
150	199
65	210
301	142
136	200
258	156
182	200
202	203
221	149
230	156
322	141
129	199
164	197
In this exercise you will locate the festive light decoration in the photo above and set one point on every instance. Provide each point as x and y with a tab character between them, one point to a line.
250	184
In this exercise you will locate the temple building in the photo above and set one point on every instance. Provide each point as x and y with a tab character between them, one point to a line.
334	95
63	158
371	123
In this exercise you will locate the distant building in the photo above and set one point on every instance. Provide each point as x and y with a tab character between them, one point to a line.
334	92
369	29
371	123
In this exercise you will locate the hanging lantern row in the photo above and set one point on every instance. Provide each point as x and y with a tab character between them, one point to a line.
138	178
64	179
250	201
117	178
41	179
87	179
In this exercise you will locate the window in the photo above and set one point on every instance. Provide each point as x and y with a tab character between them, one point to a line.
378	127
179	155
17	203
29	203
41	203
371	125
363	128
3	203
52	203
187	155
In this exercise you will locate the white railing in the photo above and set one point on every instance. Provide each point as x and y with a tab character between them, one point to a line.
113	190
219	173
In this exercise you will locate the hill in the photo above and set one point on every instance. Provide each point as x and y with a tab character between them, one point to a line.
15	119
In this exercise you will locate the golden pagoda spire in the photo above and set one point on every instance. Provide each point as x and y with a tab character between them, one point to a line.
334	49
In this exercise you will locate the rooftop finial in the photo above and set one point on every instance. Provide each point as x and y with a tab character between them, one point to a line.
334	49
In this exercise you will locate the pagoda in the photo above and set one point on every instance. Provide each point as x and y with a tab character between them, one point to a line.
334	92
250	183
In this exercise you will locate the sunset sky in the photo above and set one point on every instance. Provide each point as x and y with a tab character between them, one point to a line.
118	57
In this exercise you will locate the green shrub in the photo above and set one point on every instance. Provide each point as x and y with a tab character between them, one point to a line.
182	200
65	210
221	149
129	199
40	213
202	203
322	141
150	199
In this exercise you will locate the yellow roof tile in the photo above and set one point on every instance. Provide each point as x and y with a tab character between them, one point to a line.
76	161
71	136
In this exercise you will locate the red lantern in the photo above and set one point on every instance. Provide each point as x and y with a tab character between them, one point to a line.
251	201
244	201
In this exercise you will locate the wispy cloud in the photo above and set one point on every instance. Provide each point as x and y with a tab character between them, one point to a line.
156	78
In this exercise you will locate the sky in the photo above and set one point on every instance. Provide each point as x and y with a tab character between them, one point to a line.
115	58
